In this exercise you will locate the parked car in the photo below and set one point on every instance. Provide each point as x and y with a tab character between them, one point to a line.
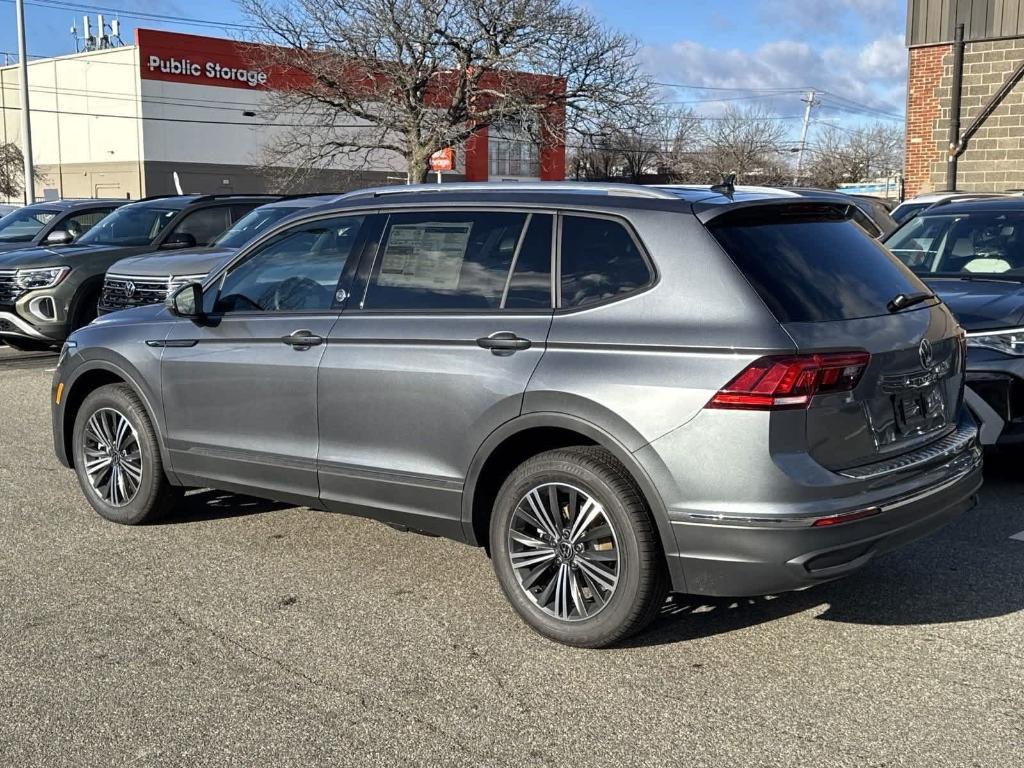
616	390
908	209
971	253
147	279
52	223
6	208
875	219
46	293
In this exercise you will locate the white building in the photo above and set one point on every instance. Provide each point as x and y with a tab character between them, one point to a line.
120	122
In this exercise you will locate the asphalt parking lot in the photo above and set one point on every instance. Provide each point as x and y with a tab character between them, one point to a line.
242	632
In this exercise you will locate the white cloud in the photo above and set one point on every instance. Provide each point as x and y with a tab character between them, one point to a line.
873	75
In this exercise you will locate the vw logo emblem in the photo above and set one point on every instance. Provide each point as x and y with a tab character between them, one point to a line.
129	289
925	353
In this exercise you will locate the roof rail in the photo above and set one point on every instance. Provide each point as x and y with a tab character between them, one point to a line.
966	198
164	197
579	187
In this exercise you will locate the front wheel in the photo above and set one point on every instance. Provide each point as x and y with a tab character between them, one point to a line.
575	549
117	458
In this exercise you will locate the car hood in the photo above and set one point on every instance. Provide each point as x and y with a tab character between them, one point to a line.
194	261
981	305
41	256
7	247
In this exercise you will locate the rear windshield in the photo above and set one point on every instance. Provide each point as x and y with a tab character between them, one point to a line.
811	263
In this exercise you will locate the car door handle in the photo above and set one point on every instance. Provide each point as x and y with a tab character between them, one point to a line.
302	339
503	342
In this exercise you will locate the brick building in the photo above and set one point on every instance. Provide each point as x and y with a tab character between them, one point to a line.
994	31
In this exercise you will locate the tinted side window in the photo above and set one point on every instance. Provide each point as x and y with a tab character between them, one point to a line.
811	264
529	286
80	223
600	260
457	260
205	224
297	271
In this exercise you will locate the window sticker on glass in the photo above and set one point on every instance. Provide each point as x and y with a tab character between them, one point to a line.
425	255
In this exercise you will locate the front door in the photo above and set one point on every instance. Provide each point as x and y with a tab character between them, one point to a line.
433	353
240	388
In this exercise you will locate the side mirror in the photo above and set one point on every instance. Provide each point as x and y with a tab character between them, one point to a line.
186	301
59	237
179	240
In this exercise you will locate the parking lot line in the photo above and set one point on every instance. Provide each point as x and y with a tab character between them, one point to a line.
1018	536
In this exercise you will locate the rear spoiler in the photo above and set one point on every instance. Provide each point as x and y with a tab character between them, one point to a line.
774	209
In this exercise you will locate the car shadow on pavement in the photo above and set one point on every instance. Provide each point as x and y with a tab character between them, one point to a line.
967	571
205	505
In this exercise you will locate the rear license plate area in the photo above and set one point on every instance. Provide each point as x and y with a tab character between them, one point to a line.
919	410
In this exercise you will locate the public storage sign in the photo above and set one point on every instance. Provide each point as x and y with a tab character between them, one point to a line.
197	60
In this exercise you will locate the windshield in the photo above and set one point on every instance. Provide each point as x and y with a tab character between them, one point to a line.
130	225
22	225
253	223
979	243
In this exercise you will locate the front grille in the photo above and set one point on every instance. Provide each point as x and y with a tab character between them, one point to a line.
8	291
125	291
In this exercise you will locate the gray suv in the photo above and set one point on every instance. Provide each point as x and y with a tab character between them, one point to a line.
617	391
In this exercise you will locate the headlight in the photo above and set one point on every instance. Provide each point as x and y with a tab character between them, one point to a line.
30	279
69	347
1007	342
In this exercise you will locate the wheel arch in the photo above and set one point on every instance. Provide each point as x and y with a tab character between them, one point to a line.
534	433
89	377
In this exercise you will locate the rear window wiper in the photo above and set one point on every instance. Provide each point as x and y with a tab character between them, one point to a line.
904	300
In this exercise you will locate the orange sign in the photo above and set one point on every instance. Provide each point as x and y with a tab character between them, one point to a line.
442	160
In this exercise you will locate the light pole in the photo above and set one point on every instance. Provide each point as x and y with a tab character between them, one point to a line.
26	121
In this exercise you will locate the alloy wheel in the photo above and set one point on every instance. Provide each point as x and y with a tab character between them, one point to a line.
113	457
564	551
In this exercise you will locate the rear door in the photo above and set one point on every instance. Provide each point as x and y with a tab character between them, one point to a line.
433	353
830	285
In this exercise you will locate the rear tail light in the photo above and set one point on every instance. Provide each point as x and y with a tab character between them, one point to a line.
776	383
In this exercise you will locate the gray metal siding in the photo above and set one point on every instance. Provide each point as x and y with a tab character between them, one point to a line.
933	21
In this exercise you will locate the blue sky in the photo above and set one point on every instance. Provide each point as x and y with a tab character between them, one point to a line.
755	51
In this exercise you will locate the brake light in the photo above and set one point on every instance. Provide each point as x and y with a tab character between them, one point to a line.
779	382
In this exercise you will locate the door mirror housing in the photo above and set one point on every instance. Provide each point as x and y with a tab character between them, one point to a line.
59	237
179	240
186	301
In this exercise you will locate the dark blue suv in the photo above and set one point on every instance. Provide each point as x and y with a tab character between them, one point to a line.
971	253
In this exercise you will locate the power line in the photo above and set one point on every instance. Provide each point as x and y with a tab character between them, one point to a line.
134	14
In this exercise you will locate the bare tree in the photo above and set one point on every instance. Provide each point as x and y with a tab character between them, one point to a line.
12	171
844	155
378	79
747	142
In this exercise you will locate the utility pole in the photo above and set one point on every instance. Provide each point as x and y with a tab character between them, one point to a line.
810	102
26	121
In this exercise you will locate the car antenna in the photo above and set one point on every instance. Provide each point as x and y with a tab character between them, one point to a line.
727	186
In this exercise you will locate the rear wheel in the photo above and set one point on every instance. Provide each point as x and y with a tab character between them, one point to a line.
575	549
117	458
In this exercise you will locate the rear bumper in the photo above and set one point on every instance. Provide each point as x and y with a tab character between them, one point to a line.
734	558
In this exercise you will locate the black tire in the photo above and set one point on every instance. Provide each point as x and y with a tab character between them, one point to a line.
154	496
86	308
642	578
29	345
